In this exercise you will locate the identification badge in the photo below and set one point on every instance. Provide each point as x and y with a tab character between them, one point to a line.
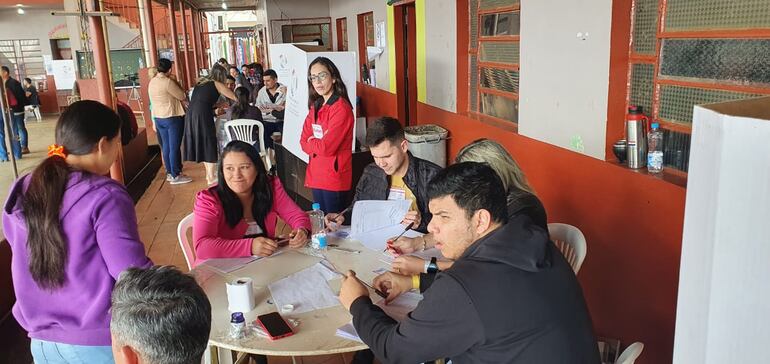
397	194
318	132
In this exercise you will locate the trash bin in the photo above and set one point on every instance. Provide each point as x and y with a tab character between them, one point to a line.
428	142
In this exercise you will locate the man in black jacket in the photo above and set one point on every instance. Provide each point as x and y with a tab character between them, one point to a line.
510	297
18	100
395	174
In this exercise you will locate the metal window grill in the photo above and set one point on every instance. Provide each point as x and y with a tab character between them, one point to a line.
677	102
689	15
495	4
738	61
498	79
500	52
642	86
645	26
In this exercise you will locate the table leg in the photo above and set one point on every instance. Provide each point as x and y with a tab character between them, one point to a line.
218	355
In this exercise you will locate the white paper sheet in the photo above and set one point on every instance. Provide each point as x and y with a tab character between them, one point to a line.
377	239
398	309
306	290
370	215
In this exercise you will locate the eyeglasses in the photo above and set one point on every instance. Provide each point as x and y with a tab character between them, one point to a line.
319	77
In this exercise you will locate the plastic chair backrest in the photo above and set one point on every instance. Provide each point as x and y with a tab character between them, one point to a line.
187	247
571	243
631	353
243	130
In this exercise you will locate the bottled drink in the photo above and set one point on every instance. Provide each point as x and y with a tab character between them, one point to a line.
655	149
318	233
237	325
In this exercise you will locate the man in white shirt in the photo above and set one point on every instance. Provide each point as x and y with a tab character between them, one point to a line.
271	99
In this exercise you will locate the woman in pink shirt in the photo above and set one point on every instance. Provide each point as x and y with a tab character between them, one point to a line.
237	216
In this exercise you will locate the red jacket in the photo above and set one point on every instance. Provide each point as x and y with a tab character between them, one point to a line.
330	166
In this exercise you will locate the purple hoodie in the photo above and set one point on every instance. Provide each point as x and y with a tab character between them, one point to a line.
99	224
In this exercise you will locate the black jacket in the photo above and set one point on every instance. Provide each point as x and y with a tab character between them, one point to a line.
375	185
15	87
510	298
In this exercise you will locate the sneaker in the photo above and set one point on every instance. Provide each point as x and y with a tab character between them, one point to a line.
180	179
25	150
169	178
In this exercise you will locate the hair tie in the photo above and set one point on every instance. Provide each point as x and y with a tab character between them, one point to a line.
57	150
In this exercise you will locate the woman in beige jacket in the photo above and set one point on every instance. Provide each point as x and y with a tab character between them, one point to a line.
166	97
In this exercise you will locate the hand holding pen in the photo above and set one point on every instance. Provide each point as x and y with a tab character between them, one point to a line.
333	221
390	246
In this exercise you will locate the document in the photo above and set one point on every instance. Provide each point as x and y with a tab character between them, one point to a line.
372	215
397	309
306	290
374	222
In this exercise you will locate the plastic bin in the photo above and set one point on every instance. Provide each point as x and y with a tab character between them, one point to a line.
428	142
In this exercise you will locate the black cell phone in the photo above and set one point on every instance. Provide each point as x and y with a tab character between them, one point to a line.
275	326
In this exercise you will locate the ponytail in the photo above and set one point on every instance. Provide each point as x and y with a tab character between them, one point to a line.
45	240
78	132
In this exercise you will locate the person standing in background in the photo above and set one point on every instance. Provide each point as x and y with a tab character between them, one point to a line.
33	97
200	139
327	136
271	99
166	97
17	99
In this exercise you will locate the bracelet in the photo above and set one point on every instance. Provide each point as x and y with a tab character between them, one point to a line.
416	281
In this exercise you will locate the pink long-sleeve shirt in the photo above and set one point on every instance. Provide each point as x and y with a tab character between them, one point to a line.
215	239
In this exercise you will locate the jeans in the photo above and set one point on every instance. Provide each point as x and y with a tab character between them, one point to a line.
271	128
56	353
14	143
171	131
331	201
20	128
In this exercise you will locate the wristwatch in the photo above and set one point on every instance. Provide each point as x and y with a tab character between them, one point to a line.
432	266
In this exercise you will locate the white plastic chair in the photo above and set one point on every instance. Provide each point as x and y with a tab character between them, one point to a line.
571	243
187	247
242	129
631	353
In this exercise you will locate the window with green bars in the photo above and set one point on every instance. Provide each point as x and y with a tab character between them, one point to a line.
494	58
706	51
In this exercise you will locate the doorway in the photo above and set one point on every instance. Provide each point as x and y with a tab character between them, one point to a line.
406	62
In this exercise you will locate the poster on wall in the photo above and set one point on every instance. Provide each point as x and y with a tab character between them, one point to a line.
291	64
63	71
380	35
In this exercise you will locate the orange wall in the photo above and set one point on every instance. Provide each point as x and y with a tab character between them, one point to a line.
632	222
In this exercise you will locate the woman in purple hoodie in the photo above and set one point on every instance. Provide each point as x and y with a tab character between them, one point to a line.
72	231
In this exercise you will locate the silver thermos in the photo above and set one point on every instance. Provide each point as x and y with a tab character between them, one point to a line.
636	137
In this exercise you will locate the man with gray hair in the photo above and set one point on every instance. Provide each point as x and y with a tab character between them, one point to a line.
159	316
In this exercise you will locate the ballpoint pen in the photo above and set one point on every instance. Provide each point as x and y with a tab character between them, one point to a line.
343	212
328	264
408	227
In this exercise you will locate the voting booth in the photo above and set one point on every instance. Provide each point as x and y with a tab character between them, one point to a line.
724	301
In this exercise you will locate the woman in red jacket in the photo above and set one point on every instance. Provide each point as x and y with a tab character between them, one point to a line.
327	136
237	217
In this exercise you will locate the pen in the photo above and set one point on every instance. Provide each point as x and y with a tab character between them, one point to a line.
343	212
328	264
408	227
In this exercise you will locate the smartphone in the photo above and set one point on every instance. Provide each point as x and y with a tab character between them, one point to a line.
275	326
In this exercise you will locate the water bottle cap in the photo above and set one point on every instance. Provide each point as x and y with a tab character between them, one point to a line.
316	206
655	125
634	109
237	317
322	241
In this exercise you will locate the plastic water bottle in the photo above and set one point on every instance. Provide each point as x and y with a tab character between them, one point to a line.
318	233
655	149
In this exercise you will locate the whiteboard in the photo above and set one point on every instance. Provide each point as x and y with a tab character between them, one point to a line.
63	71
291	65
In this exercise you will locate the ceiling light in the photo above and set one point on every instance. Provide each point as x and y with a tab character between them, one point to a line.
224	6
20	11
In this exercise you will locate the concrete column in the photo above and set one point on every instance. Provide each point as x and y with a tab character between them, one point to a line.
196	32
174	42
100	49
185	40
148	32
